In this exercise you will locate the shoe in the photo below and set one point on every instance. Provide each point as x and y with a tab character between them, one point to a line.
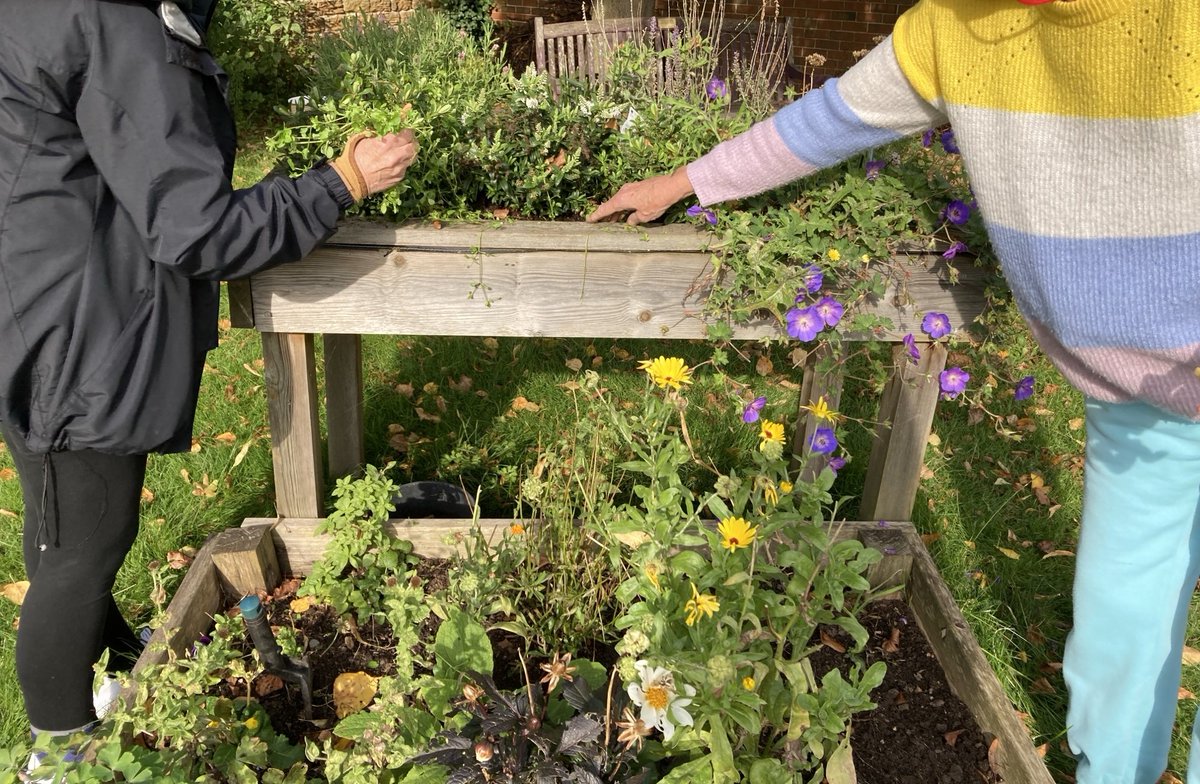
106	696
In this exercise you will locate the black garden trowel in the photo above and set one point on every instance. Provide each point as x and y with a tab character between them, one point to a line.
288	669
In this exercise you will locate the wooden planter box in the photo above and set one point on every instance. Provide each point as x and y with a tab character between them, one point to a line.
544	279
242	560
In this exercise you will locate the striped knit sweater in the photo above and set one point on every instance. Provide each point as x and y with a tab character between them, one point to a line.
1079	124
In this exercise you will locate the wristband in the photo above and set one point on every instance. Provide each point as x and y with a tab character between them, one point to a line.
348	170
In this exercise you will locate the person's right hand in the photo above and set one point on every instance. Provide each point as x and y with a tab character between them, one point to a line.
647	199
371	163
383	160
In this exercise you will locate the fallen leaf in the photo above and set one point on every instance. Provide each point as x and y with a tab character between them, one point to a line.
520	403
1033	633
575	365
15	592
226	437
463	384
632	539
764	366
926	473
1075	423
8	513
500	213
952	736
994	755
1184	694
1169	778
7	473
830	642
405	389
934	440
353	691
892	643
1041	750
195	446
1191	656
267	683
1058	554
251	369
929	539
557	161
1042	686
177	559
241	455
425	416
147	495
1007	553
301	605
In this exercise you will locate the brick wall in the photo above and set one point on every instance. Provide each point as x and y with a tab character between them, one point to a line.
327	15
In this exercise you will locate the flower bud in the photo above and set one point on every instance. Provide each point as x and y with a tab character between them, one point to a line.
484	752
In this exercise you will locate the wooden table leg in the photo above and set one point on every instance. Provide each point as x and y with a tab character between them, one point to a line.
823	377
344	403
290	376
905	418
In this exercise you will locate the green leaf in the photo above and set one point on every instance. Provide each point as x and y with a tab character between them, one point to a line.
689	562
690	772
462	645
840	768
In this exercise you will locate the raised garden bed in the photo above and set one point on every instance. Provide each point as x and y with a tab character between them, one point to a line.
252	558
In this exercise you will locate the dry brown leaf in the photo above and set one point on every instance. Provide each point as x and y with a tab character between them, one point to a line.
1191	656
1169	778
994	755
557	161
1007	553
463	384
177	559
831	642
1075	423
929	539
574	365
226	437
7	473
1041	750
195	446
241	455
934	439
147	495
1184	694
1042	686
570	386
405	389
8	513
353	691
500	213
1058	554
520	403
633	539
926	473
1033	633
491	344
267	683
952	736
251	369
892	643
15	592
764	366
425	416
301	605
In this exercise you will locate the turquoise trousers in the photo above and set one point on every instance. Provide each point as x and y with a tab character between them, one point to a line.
1136	567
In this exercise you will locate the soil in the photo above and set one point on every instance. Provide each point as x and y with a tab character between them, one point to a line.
920	733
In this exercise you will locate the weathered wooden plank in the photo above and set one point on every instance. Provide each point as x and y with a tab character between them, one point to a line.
290	380
245	561
495	236
543	293
823	377
190	612
905	418
968	671
344	403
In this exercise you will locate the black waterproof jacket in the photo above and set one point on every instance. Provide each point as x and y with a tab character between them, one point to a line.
117	219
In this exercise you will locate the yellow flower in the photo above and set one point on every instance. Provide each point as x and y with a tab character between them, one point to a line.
699	605
785	487
834	254
769	431
735	532
667	371
770	493
516	529
251	723
821	410
652	575
748	683
865	259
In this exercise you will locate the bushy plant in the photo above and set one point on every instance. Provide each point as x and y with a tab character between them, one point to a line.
262	46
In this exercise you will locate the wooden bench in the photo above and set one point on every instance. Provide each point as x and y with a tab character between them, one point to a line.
417	278
581	50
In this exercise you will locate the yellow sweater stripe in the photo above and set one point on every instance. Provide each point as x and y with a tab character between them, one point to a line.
1142	57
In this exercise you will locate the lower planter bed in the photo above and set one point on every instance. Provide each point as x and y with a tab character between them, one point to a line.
255	556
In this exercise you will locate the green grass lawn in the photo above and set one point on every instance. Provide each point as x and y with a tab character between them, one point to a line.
999	504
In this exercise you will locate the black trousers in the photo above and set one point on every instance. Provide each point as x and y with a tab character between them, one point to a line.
81	517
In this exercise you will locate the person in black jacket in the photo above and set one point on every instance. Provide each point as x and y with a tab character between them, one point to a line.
117	220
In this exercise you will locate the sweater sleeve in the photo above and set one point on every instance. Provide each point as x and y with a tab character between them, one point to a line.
873	104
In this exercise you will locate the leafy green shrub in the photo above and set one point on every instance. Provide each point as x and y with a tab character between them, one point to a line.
262	46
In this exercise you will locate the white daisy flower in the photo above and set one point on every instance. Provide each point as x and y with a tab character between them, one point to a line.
661	704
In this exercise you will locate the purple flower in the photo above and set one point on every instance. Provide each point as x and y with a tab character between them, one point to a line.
750	412
715	89
883	524
813	280
948	143
927	138
1024	388
935	325
953	381
830	310
874	169
804	323
696	211
914	353
837	463
955	249
823	441
956	212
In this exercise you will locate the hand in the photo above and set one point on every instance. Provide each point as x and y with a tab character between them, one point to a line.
383	160
646	200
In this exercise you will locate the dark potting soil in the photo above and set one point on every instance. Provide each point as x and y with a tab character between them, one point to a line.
920	733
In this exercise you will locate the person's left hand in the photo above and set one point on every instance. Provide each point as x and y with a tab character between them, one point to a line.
647	199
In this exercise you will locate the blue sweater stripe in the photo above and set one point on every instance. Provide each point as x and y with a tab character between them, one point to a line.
822	129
